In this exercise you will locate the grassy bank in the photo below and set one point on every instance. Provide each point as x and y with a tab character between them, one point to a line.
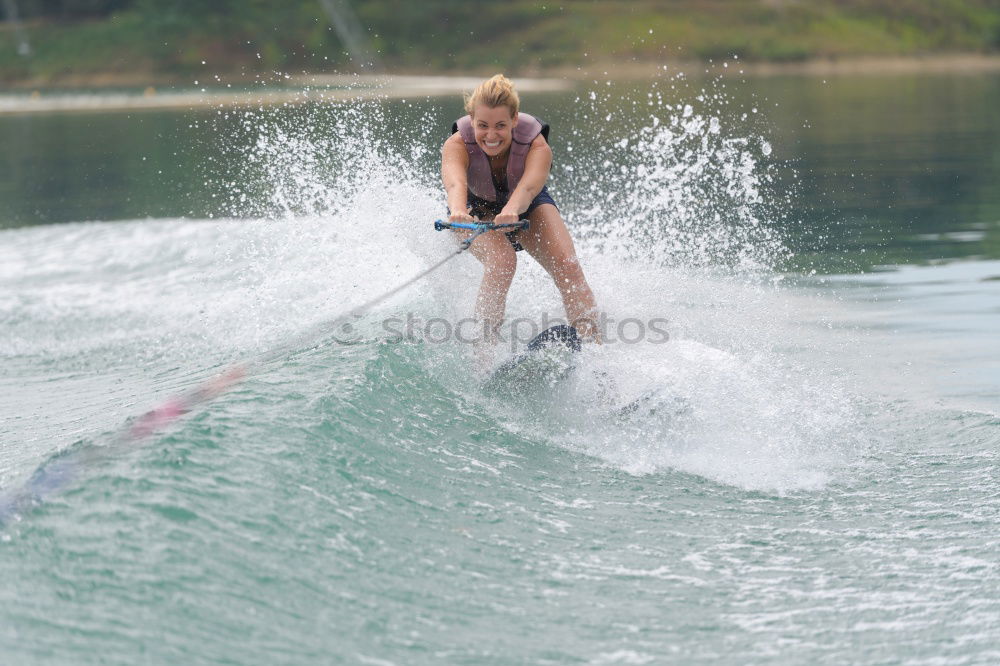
148	42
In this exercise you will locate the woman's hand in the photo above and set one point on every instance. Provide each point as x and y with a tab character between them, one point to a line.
506	216
460	216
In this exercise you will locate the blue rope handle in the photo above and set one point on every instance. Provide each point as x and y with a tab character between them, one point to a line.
479	226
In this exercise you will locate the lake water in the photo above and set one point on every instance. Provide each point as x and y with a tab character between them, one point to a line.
807	470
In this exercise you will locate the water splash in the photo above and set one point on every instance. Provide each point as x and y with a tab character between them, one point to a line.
677	175
329	205
672	203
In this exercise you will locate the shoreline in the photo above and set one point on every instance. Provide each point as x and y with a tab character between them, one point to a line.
106	92
301	89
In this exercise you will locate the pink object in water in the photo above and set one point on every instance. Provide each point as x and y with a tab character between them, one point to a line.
161	416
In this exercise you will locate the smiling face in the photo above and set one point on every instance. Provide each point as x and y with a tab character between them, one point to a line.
494	128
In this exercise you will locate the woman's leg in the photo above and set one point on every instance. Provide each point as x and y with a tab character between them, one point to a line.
499	261
549	242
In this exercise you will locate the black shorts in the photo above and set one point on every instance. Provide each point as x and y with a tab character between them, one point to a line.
482	208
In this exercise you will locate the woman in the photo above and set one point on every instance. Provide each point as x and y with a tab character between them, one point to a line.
494	168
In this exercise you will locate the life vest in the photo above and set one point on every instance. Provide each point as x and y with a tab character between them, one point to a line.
480	176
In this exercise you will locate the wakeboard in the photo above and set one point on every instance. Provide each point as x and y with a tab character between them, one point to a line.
546	360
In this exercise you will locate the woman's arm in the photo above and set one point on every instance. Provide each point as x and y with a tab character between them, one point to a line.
454	175
536	171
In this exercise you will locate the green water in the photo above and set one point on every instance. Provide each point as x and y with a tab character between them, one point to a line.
904	168
811	474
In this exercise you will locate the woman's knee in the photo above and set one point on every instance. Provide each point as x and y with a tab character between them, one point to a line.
566	271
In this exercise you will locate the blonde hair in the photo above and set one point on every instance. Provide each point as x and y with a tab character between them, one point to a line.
493	92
